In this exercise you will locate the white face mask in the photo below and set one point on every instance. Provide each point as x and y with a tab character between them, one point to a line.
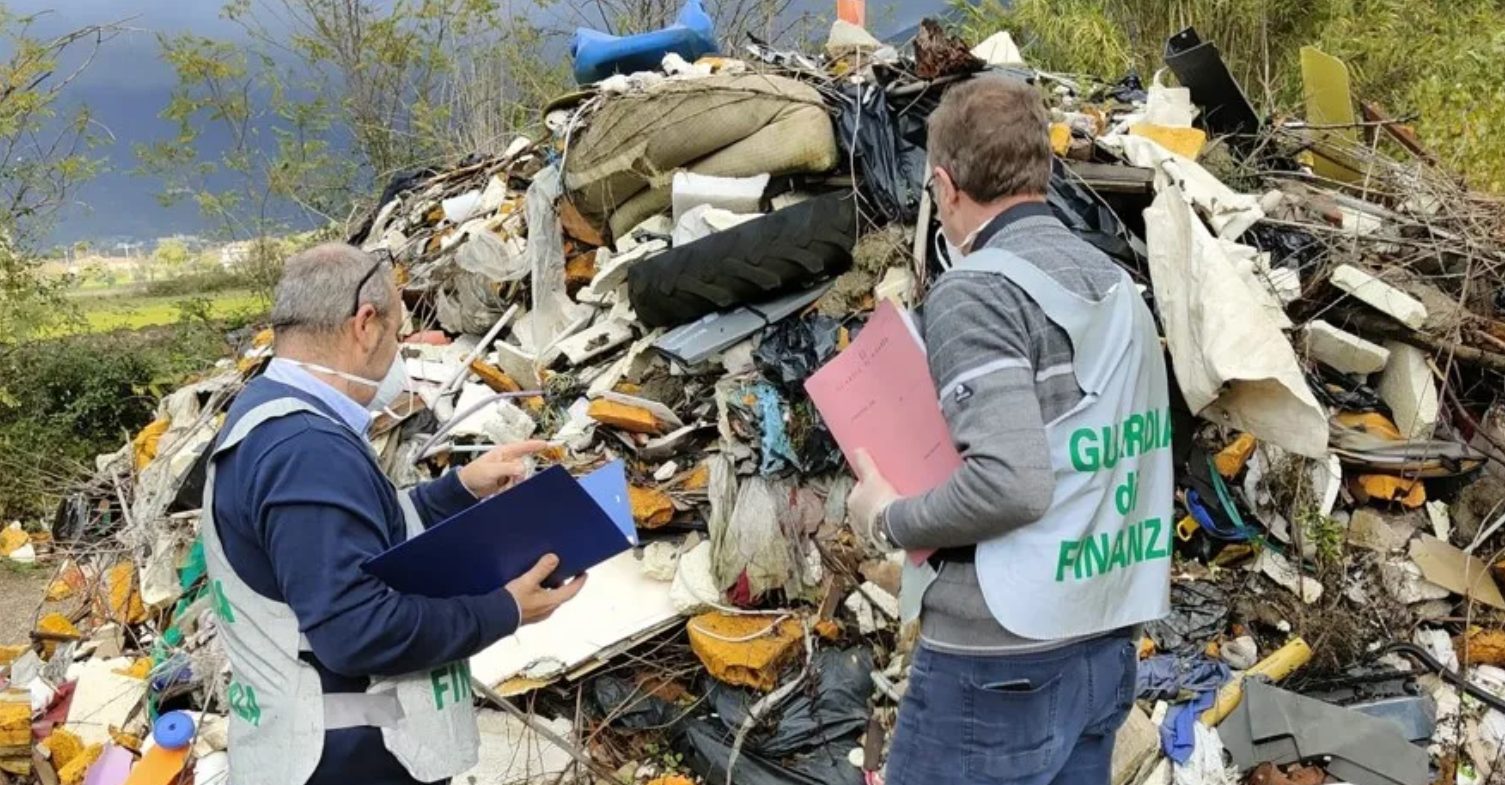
956	252
387	390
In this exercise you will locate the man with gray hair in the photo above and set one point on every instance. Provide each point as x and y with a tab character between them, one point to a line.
335	676
1052	541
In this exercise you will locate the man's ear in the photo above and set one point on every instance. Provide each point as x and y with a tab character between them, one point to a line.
367	324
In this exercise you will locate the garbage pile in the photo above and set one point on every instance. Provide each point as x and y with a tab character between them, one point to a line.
654	278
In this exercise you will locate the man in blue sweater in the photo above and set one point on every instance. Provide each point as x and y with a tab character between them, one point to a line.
336	677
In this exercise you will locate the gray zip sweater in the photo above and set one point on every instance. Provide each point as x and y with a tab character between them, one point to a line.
982	330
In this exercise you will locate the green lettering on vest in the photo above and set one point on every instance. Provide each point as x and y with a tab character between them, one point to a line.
1134	436
1151	431
1165	434
1084	456
1120	557
243	703
1111	446
1153	551
1096	554
1067	558
222	607
440	678
1136	544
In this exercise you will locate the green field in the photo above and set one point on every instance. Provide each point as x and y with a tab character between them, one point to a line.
105	312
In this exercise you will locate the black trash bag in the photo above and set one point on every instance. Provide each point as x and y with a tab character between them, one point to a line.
630	706
1288	247
837	709
1199	612
805	743
891	170
1129	89
788	352
1341	391
784	251
1089	218
707	747
405	180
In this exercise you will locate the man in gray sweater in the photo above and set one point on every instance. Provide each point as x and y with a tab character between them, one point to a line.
1052	541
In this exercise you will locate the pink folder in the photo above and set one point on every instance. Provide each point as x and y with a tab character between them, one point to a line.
878	396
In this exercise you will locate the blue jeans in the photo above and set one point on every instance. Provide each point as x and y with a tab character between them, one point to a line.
1030	719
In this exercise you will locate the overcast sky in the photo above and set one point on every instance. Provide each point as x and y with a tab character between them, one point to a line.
128	85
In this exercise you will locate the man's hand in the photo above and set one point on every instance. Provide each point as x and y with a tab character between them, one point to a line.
868	498
499	469
535	602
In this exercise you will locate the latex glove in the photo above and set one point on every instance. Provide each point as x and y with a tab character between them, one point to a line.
500	468
869	498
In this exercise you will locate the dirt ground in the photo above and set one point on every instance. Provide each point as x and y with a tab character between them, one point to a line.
20	591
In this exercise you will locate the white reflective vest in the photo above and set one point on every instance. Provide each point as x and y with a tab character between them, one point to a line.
278	710
1100	558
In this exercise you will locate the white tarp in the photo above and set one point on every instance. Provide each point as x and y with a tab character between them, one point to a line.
1233	363
1229	212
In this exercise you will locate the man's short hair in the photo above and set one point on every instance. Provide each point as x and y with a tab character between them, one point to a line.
992	135
317	291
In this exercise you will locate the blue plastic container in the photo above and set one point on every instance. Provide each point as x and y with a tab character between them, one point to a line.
599	55
173	730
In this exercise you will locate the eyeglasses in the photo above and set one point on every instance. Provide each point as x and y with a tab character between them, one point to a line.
383	256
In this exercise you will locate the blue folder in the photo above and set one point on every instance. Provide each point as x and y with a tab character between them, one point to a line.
583	521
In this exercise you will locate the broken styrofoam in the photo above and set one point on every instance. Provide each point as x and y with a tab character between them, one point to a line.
459	209
660	560
514	753
102	698
584	346
1380	295
705	220
733	194
500	420
1408	387
1279	569
873	607
522	366
1403	581
1344	351
998	49
897	284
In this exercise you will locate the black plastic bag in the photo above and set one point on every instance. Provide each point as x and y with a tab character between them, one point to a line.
1199	611
629	706
791	350
890	170
805	743
1089	218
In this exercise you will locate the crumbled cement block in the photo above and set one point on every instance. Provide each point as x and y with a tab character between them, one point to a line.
1344	351
1380	295
896	285
1408	388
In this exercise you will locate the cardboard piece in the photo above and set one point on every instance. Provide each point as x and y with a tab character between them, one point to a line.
1456	571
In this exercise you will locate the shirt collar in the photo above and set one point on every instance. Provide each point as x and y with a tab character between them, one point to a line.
352	414
1016	213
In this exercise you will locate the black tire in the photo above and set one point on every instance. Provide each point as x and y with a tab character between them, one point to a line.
756	261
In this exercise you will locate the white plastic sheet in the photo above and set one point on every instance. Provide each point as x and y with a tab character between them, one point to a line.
1232	360
1229	212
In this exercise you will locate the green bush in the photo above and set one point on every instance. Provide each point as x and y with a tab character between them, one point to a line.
75	397
207	282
